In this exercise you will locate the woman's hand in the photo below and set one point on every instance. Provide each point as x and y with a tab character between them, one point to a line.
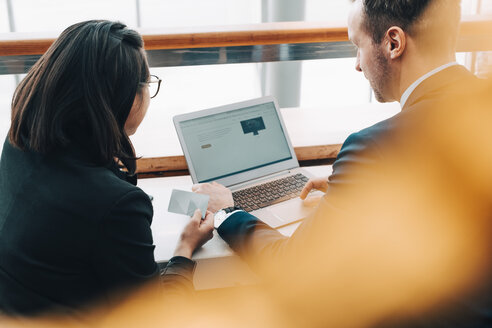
196	233
315	183
220	196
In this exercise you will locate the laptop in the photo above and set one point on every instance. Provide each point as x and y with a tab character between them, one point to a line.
245	147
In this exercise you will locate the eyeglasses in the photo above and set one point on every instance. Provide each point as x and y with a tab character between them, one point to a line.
154	85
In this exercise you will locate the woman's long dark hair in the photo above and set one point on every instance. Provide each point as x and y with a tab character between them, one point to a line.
81	92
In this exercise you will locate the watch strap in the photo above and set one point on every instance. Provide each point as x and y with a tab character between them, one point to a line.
232	209
222	215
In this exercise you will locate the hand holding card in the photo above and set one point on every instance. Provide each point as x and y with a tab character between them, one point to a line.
185	202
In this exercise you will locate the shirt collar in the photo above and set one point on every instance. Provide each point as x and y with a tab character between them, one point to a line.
415	84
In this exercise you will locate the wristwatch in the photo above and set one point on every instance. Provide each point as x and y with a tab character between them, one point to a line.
222	214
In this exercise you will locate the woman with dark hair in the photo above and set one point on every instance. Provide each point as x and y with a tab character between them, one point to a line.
73	226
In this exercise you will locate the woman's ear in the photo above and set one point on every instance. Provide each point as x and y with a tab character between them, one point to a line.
396	42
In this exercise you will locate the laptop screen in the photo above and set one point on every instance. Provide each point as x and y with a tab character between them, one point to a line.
235	141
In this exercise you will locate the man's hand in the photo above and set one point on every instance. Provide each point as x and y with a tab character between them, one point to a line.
220	196
196	233
316	183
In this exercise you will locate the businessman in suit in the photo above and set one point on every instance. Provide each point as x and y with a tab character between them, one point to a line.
390	207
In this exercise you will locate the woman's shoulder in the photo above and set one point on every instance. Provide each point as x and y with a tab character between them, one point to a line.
101	186
70	183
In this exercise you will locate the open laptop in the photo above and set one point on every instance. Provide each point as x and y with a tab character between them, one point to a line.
245	147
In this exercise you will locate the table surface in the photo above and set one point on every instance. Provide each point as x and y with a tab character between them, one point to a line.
218	266
167	226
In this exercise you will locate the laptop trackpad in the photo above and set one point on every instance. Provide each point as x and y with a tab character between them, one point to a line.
290	211
283	213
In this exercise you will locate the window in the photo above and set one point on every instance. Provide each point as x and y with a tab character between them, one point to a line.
56	15
4	19
330	86
186	13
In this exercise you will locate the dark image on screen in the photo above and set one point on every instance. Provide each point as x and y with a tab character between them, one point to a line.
253	125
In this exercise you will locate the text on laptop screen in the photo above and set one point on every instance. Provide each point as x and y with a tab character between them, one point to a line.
232	142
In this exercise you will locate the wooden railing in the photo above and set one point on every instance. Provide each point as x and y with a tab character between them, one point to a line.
18	44
178	163
475	33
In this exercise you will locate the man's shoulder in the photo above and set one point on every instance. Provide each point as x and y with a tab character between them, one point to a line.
454	81
370	137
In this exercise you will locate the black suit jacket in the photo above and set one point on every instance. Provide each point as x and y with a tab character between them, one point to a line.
363	153
72	232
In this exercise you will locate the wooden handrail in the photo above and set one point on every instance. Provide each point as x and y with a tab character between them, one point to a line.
18	44
178	163
476	25
261	34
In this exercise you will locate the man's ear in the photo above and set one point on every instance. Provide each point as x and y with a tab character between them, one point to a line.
396	42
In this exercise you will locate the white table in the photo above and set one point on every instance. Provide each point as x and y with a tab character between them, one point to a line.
217	266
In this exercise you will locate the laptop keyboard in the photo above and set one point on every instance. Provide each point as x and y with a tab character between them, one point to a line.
270	193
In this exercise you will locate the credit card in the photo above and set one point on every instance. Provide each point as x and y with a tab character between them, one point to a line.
186	202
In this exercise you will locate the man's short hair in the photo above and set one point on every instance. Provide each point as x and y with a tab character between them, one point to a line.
380	15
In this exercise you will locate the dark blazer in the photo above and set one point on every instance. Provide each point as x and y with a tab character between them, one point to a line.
361	153
72	232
